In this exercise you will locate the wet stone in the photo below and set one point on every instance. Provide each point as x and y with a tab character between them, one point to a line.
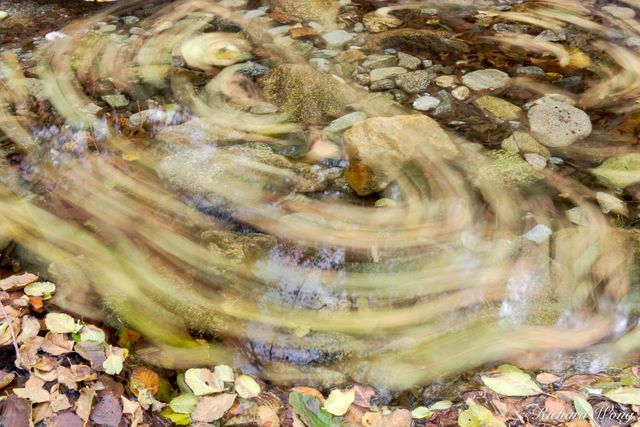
116	101
386	73
461	93
380	61
488	79
426	103
556	124
409	62
445	81
415	81
380	85
320	64
530	71
619	12
337	38
447	105
498	109
345	122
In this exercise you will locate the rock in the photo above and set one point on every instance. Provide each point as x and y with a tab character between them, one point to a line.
379	147
380	61
351	55
380	85
434	41
55	35
426	103
578	216
414	81
254	70
447	104
609	203
345	122
400	96
619	12
538	234
337	38
445	81
320	64
427	63
619	172
498	109
550	36
238	248
556	124
377	23
409	62
3	15
359	27
324	12
107	28
536	161
130	20
461	93
210	174
386	73
310	96
116	101
522	142
506	168
530	71
362	79
488	79
303	32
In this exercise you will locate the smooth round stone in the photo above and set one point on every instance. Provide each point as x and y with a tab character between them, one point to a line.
338	38
3	14
426	103
488	79
620	12
538	234
556	124
321	64
461	93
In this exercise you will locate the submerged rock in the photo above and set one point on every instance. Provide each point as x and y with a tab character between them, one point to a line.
488	79
506	168
498	109
524	143
308	95
377	23
619	172
415	81
379	147
324	12
432	40
556	124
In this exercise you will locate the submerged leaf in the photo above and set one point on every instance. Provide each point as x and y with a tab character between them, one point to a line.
310	411
40	289
184	404
210	409
625	395
511	381
338	402
247	387
202	381
61	323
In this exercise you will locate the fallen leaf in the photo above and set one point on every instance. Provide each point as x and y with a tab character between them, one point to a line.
90	333
148	402
546	378
583	409
183	404
108	411
67	419
247	387
397	418
15	412
212	408
40	289
310	410
202	381
85	403
338	402
6	378
59	402
224	373
16	282
422	412
34	394
624	395
268	417
57	344
30	329
61	323
146	378
113	364
309	391
363	395
477	415
369	419
93	352
177	418
511	381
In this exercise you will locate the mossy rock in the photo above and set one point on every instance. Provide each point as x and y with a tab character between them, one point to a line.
507	168
308	95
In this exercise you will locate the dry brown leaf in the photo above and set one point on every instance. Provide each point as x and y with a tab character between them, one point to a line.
369	419
34	394
29	352
41	412
82	373
57	344
30	329
18	281
67	419
85	403
268	417
546	378
108	411
93	352
212	408
59	402
363	395
15	412
398	418
6	378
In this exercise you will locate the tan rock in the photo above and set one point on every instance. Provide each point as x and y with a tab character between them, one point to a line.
522	142
498	109
379	147
322	11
